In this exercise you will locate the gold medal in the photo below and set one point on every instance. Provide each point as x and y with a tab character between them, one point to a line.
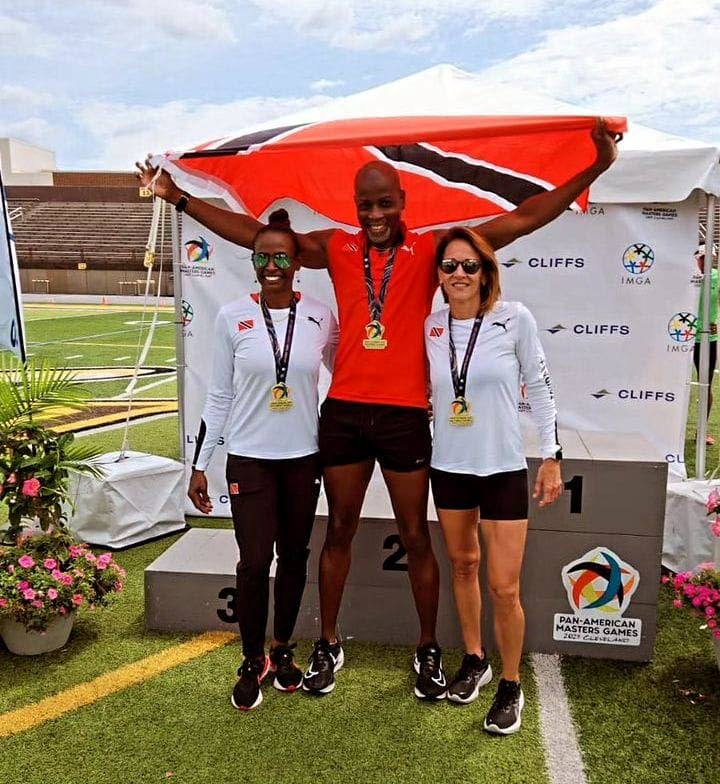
280	397
374	340
460	413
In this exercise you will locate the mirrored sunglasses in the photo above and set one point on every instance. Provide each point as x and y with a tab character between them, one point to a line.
281	260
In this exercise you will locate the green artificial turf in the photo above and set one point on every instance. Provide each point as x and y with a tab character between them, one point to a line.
651	723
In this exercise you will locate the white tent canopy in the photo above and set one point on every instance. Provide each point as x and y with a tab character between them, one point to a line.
652	166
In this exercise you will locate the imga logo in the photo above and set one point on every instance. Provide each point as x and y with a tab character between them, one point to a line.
600	330
636	395
682	329
637	259
186	318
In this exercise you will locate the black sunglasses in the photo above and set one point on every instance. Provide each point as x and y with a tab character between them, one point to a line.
470	266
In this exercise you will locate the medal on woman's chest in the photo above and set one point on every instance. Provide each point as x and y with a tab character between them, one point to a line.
280	399
460	415
375	329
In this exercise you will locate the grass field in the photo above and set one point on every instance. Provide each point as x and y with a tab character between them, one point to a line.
637	724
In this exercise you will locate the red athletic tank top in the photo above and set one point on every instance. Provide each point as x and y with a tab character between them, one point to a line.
395	375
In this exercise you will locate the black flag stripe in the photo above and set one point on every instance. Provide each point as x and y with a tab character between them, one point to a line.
242	143
512	188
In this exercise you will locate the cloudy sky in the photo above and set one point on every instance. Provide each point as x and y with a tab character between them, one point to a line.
101	83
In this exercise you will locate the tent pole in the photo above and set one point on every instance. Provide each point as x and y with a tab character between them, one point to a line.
703	373
179	340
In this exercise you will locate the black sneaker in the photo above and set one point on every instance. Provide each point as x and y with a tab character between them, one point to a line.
325	660
430	683
474	673
246	694
288	676
504	716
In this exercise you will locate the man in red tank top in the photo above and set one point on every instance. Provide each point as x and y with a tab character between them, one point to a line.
384	280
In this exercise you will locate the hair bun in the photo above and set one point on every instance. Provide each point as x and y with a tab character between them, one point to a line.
279	219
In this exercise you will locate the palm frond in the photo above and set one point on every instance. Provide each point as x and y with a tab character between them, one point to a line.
30	388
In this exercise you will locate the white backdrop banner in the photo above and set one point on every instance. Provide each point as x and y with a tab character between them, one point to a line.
11	323
614	293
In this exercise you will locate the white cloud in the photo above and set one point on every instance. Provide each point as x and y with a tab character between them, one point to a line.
35	130
181	19
321	85
18	37
659	66
21	99
389	24
124	134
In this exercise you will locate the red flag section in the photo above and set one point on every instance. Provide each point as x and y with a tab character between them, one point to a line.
452	168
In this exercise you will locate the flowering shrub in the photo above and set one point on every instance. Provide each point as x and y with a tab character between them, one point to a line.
699	591
34	467
48	575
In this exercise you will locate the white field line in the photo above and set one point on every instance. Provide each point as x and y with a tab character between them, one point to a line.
119	359
562	751
74	356
124	395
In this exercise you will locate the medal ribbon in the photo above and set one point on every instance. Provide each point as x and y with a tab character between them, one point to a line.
281	360
376	304
460	379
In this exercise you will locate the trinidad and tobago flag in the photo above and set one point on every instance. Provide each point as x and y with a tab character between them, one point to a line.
452	168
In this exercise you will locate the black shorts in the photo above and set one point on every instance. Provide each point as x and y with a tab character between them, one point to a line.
501	496
713	358
397	436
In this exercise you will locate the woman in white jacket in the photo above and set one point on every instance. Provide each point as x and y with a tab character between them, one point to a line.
480	349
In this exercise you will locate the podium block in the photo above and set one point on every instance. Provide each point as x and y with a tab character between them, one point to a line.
607	527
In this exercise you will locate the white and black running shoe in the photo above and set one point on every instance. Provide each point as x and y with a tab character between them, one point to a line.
325	660
474	673
288	676
247	693
430	683
504	716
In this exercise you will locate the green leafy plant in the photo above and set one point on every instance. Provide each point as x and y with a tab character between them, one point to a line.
35	461
50	574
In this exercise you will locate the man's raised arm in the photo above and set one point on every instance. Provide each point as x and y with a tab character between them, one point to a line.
232	226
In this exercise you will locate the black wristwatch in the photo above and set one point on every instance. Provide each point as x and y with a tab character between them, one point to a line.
182	202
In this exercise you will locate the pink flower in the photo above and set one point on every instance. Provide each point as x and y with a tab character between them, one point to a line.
23	584
713	501
664	579
677	603
50	563
37	603
11	569
77	599
76	551
105	558
716	634
715	527
26	562
52	594
56	574
118	586
28	594
31	487
712	623
3	602
90	558
66	579
12	479
62	610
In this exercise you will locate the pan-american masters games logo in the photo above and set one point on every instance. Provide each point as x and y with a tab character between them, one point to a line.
198	252
599	588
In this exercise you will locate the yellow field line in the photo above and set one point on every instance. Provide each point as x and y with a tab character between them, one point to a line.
76	697
137	411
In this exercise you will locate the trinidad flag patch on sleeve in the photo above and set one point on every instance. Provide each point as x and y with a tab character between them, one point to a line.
435	332
243	325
